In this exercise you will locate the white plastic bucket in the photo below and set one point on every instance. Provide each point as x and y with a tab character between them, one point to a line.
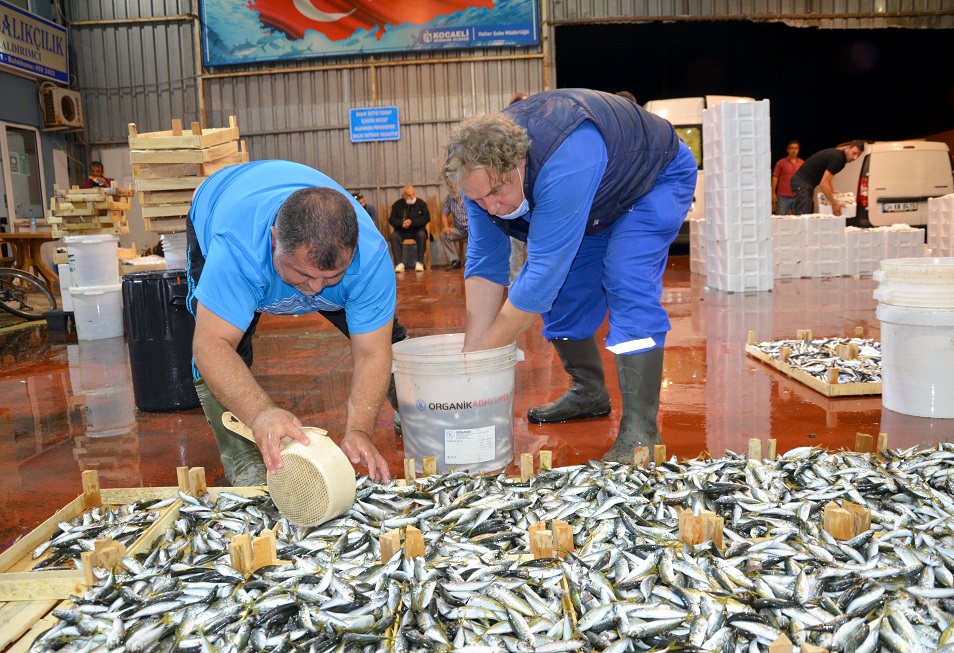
456	407
174	250
916	308
94	259
98	311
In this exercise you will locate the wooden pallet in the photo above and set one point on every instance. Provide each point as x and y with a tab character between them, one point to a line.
826	388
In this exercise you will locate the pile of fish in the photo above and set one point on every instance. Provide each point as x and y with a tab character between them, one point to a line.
123	524
816	357
630	585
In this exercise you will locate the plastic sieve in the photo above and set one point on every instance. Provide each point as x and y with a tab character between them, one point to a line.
317	482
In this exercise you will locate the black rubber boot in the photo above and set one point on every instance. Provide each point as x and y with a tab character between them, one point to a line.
587	397
640	380
241	459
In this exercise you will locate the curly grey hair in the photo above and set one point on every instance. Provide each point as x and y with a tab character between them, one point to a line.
491	142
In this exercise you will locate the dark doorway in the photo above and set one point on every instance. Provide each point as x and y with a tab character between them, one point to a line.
825	86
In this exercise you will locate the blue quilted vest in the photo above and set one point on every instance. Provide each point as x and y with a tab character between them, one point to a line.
639	146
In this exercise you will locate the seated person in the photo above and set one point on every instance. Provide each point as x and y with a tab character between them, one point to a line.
409	217
96	178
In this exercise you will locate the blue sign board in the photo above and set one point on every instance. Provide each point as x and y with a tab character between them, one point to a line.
32	45
272	30
374	124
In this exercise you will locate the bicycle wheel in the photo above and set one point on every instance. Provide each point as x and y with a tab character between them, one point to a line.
24	295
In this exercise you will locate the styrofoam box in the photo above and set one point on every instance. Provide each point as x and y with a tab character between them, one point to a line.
740	283
789	269
847	211
752	230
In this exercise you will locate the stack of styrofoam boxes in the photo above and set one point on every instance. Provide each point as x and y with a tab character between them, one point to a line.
863	251
788	246
941	225
901	241
824	245
697	246
738	196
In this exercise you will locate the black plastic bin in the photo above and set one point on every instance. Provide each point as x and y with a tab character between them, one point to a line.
159	332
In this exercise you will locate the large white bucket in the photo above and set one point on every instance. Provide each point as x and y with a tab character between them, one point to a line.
916	308
456	407
94	259
174	250
98	311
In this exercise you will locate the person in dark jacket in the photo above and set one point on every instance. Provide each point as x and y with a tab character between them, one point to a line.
409	217
598	188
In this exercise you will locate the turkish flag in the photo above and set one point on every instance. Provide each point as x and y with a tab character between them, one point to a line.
339	19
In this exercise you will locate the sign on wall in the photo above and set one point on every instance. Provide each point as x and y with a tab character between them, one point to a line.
269	30
374	124
32	45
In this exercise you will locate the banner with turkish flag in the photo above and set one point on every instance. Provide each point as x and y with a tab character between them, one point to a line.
267	30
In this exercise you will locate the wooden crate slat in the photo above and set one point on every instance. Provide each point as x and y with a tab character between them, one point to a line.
21	617
166	197
32	586
184	156
169	183
230	160
165	210
165	225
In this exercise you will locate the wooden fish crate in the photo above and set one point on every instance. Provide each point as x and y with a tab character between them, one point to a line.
824	387
169	165
18	583
28	599
175	139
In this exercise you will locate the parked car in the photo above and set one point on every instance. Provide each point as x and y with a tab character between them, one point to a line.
685	114
892	181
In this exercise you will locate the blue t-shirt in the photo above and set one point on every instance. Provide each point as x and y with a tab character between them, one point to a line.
233	211
562	197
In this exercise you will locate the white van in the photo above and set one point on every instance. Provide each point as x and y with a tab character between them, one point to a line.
892	181
685	114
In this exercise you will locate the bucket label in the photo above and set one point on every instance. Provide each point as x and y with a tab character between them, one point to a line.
467	446
463	404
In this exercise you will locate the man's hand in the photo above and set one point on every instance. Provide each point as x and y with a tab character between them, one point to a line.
359	450
269	428
446	230
836	208
406	224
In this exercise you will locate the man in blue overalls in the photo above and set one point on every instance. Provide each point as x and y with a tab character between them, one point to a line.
279	237
598	188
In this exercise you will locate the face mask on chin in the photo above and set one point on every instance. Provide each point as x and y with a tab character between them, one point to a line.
521	210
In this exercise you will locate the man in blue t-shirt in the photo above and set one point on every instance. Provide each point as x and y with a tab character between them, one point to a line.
279	237
598	189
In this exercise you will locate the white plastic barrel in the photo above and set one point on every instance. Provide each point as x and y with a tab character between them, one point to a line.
456	407
916	308
174	250
98	311
94	259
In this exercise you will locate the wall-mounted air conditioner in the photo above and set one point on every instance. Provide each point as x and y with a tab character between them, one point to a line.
62	108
